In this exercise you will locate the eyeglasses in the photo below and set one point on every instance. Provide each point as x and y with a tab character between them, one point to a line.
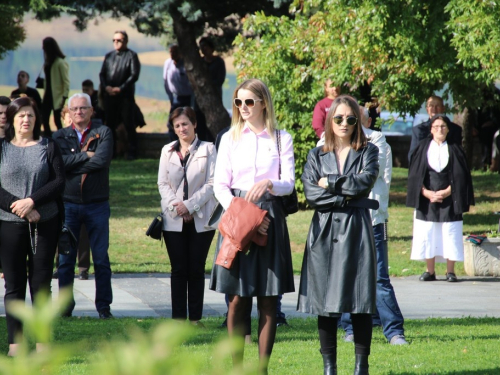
75	109
118	40
351	120
248	102
436	127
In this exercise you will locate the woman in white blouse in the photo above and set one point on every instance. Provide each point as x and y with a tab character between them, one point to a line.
440	189
248	166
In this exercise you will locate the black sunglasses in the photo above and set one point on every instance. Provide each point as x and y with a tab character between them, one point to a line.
248	102
351	120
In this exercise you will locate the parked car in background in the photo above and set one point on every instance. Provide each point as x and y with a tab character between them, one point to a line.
393	124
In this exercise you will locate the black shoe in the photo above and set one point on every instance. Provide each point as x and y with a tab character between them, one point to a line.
55	275
66	314
280	321
224	323
451	277
329	363
361	366
84	275
105	314
426	276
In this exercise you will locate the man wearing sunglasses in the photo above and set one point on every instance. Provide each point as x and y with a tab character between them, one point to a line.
120	70
434	106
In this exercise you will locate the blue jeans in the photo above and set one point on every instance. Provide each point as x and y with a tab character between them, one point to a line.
391	318
95	216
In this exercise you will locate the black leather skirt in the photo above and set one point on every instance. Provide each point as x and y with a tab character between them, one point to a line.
262	271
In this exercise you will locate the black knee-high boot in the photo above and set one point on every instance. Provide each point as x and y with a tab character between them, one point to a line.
329	363
361	367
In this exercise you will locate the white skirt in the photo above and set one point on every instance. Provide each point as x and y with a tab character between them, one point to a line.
443	241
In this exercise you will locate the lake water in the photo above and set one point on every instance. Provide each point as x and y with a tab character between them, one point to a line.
150	82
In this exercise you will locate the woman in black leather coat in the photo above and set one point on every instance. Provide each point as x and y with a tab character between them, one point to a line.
339	267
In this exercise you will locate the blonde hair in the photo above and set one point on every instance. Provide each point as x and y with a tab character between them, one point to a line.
358	138
260	89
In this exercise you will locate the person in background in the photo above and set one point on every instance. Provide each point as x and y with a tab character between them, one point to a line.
217	71
88	88
119	73
185	181
175	80
388	312
339	271
248	167
23	79
440	189
434	106
321	108
176	85
56	84
4	103
32	180
83	243
87	150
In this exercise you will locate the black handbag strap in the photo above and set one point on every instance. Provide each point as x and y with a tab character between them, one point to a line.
278	144
184	167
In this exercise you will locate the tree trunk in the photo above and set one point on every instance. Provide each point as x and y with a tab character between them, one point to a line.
207	98
469	118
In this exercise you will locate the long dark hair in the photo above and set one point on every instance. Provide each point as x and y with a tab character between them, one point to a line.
52	50
358	138
14	107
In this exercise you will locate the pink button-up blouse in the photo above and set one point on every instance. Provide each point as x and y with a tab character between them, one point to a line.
253	158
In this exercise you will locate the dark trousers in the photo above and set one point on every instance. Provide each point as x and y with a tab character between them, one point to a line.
120	109
388	312
95	216
47	107
362	325
83	252
188	252
17	256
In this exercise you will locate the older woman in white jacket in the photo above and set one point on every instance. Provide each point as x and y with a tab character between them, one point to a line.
185	181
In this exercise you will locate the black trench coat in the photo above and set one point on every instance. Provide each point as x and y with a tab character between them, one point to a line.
339	271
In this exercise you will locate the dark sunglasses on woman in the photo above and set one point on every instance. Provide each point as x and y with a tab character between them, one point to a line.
351	120
248	102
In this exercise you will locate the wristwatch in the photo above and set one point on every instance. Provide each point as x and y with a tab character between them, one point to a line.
170	208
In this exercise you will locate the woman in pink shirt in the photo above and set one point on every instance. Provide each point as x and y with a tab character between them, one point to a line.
248	165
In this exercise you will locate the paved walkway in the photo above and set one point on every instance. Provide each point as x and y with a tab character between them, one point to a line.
148	295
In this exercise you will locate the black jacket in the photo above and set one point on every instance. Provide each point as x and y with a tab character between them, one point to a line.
462	192
121	69
423	131
96	185
339	272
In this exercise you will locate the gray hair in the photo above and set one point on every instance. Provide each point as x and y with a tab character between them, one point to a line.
78	96
365	115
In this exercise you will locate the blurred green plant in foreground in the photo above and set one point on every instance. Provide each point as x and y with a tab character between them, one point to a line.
152	353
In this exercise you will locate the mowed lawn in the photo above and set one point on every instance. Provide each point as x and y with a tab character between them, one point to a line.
135	200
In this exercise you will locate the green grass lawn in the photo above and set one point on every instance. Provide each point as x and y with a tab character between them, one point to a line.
135	200
467	346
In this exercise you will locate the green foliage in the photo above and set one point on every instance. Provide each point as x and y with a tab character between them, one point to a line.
407	49
11	18
138	353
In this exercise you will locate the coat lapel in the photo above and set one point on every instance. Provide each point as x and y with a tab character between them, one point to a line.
328	163
350	162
